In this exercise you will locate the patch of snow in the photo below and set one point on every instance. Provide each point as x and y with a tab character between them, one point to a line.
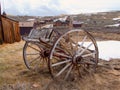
114	25
116	18
61	19
107	49
31	20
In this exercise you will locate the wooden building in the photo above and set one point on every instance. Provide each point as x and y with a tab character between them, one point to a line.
9	29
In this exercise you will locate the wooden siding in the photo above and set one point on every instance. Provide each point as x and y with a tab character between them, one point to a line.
1	35
10	30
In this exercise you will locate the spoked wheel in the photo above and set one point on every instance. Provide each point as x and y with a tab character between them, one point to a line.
73	53
34	56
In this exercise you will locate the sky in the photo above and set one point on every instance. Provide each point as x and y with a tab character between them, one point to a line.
57	7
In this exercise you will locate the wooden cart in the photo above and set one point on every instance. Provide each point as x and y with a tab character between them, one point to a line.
67	52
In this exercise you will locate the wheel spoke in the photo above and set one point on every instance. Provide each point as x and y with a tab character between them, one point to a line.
90	54
59	63
68	72
87	61
44	62
33	54
33	48
61	55
84	67
84	49
81	45
60	50
34	59
60	72
37	64
78	70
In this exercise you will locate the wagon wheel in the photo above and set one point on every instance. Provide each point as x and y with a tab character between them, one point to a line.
73	53
34	56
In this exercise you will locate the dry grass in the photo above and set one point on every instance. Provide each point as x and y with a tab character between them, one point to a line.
11	61
13	72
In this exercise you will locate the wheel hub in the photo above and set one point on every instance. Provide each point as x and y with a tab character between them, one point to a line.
77	59
44	53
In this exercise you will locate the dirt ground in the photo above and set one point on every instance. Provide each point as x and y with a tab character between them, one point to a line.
15	76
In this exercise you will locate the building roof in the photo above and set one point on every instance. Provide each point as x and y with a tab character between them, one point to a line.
61	19
26	24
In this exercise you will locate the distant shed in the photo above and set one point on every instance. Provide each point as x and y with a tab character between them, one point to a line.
25	27
77	24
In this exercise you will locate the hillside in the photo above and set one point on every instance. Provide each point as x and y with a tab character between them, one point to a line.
92	21
101	15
